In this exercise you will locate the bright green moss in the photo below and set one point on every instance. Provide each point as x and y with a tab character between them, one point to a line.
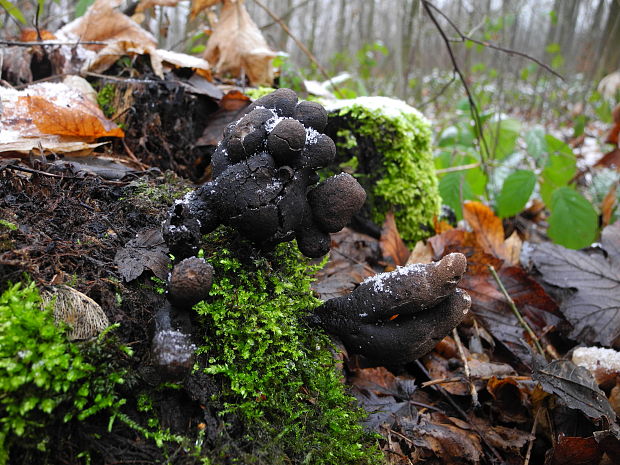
279	373
44	378
404	180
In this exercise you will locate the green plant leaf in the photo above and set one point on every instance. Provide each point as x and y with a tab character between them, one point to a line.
82	6
502	137
536	144
573	222
13	10
454	189
515	193
559	170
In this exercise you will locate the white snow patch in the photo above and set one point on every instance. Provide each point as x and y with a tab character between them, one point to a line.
390	107
379	280
597	358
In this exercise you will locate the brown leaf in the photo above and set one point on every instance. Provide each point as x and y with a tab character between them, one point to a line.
31	35
510	399
608	205
103	22
610	160
575	451
487	227
438	368
421	253
145	4
392	246
237	46
199	5
78	118
449	443
512	248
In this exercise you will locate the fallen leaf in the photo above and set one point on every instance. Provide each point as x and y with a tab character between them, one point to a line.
32	35
510	399
512	248
574	451
594	309
610	160
349	264
199	5
393	247
421	253
449	443
147	250
604	364
487	227
576	386
182	60
501	437
238	47
78	117
145	4
104	22
608	205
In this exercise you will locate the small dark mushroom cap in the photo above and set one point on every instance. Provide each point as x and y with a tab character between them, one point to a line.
311	114
335	201
319	151
190	282
283	101
173	353
397	317
286	141
248	136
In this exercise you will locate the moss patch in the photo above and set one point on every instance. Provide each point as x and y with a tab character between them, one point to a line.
278	374
390	144
45	380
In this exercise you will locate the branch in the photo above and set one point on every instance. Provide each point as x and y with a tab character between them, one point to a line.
45	43
463	37
473	108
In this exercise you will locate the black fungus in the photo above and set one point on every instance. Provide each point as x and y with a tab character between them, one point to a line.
397	317
190	282
265	182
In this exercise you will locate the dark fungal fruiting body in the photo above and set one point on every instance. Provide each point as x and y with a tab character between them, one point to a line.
397	317
264	173
190	282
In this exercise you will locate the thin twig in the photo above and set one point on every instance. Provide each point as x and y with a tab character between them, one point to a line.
472	388
516	311
462	413
46	43
463	37
301	45
460	379
354	260
532	438
473	108
458	168
438	94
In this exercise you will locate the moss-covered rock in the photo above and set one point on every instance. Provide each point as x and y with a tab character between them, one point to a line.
387	145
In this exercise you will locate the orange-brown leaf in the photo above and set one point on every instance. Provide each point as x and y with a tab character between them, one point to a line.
199	5
610	160
392	246
487	227
31	35
608	205
79	118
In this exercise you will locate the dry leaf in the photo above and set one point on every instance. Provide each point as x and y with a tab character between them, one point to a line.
103	22
199	5
31	35
609	205
79	118
610	160
237	46
182	60
512	248
487	227
52	117
422	253
146	4
392	246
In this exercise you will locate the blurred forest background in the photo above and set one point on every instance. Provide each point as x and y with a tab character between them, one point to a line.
389	47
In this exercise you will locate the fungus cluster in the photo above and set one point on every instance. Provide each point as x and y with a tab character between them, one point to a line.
397	317
265	182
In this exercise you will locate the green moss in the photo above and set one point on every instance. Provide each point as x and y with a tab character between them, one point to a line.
105	98
279	374
257	92
8	225
44	378
404	179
